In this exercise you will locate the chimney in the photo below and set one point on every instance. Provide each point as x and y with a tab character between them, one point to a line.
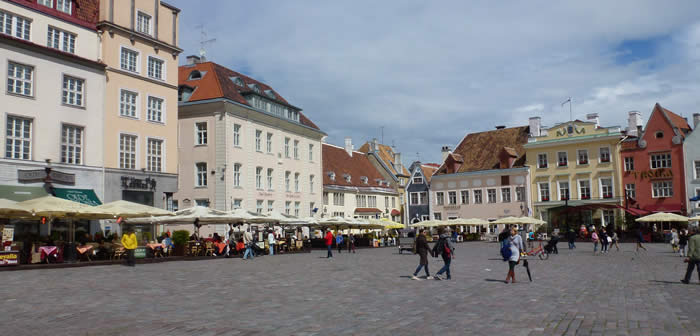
192	59
500	127
535	126
348	145
397	163
696	120
634	123
445	152
374	145
593	117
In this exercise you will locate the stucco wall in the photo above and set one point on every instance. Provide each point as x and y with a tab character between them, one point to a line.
691	148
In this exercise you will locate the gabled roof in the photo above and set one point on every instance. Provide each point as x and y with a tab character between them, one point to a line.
216	83
679	124
386	154
479	151
338	161
428	170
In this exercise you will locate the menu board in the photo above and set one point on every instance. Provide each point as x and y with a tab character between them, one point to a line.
8	234
9	258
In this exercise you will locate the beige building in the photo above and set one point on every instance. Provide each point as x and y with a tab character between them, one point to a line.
243	145
139	45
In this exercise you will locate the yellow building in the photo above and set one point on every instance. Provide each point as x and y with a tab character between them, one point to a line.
575	173
138	43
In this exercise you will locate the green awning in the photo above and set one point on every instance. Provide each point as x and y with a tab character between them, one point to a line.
85	196
21	193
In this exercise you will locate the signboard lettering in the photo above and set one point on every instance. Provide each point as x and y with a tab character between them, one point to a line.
9	258
651	174
129	182
40	175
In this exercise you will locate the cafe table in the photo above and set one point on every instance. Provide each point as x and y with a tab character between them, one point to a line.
83	250
157	248
220	247
47	251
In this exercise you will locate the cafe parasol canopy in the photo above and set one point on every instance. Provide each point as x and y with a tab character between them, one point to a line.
205	215
387	224
245	216
277	217
10	209
126	209
54	207
468	222
429	223
662	217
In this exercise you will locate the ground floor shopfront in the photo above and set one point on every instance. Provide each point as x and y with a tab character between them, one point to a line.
563	215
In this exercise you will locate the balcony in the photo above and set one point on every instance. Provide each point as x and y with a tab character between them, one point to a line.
563	164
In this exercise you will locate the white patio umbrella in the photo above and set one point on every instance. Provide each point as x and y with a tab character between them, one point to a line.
429	223
126	209
280	218
662	217
468	221
245	216
10	209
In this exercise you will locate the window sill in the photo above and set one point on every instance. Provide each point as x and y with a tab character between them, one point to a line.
154	122
237	146
80	107
582	164
129	117
200	187
237	187
157	79
201	145
129	71
19	95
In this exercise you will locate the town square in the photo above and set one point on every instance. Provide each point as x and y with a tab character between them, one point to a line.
222	167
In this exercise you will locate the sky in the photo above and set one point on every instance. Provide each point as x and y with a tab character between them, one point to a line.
430	72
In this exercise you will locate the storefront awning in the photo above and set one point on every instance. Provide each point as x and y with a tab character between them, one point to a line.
367	210
395	212
21	193
84	196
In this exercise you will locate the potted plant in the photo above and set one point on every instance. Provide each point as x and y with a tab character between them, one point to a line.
180	238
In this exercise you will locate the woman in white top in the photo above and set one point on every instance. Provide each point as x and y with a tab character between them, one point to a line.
271	242
516	246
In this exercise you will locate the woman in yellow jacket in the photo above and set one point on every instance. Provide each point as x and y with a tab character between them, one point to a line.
129	242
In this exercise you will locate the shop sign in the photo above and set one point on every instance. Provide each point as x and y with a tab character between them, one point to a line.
8	234
570	129
650	174
129	182
452	207
140	253
9	258
39	175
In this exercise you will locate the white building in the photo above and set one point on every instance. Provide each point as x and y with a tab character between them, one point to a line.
53	99
353	187
244	146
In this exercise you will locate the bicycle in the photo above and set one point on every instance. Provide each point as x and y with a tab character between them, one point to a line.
538	252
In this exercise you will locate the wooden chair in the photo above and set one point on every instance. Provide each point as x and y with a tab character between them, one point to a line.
118	253
36	256
209	249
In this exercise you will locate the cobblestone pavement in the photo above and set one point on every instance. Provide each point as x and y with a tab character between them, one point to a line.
368	293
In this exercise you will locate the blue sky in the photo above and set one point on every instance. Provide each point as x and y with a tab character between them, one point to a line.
431	72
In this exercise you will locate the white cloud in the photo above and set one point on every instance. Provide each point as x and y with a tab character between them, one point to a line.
429	72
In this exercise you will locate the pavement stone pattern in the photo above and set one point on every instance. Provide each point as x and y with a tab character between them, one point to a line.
367	293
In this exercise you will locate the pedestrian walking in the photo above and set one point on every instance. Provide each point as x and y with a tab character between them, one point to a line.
595	239
339	241
248	242
271	241
674	240
604	240
682	242
503	237
351	242
445	248
422	249
615	241
329	243
515	244
571	238
129	242
640	240
530	239
693	258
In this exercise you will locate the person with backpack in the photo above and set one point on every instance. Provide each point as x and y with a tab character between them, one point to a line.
596	240
444	248
422	249
339	241
511	250
604	241
682	242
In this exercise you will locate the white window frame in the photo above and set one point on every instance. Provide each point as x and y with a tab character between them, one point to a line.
76	148
519	194
237	203
151	74
136	104
450	198
566	159
509	194
286	147
297	208
411	199
258	140
270	206
539	191
270	179
631	192
296	149
424	218
311	152
661	160
268	142
439	198
162	109
696	170
311	183
237	135
200	140
287	207
423	198
150	156
237	171
297	187
488	196
66	91
22	80
61	6
539	160
629	163
612	187
662	189
288	181
600	155
60	39
21	139
47	3
464	196
139	27
590	189
559	190
259	206
136	150
259	185
20	26
417	178
480	193
137	61
204	174
579	156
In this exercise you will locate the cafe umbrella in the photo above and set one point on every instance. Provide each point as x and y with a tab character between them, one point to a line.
126	209
10	209
662	217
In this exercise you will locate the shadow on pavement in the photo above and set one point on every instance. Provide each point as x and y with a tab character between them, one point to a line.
667	282
494	280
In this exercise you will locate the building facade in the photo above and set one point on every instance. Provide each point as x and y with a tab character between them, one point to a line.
417	196
353	187
139	45
389	164
653	175
244	146
485	177
52	105
691	156
575	172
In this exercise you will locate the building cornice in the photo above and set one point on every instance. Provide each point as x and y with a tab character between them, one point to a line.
360	190
110	27
55	53
481	172
576	140
137	76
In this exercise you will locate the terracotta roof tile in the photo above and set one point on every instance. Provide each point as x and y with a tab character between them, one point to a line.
479	151
216	83
386	153
428	170
85	12
337	160
676	120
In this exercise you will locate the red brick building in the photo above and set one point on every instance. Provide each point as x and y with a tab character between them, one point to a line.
652	163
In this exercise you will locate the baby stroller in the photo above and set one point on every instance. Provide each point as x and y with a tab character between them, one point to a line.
551	247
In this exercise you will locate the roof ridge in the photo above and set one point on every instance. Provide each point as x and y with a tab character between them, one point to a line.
218	80
343	148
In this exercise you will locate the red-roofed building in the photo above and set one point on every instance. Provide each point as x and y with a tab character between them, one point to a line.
353	187
243	145
652	163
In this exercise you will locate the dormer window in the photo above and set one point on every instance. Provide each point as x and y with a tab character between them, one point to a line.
270	94
418	178
254	87
364	179
237	80
347	177
331	175
659	135
195	75
184	93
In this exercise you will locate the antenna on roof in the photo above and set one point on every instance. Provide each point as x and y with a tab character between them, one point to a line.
203	41
571	115
418	156
382	128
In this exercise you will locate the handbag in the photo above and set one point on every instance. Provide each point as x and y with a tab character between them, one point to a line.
609	239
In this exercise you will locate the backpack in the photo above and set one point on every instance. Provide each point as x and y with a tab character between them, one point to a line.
506	253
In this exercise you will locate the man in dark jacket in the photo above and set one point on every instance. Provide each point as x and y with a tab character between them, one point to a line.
571	237
422	249
693	255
